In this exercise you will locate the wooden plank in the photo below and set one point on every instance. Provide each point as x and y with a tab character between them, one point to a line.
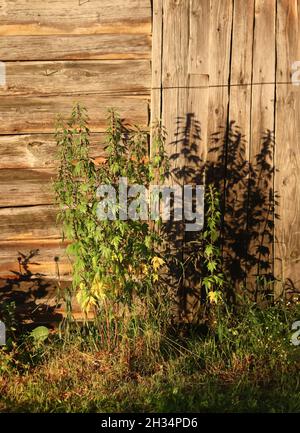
37	114
184	98
118	77
260	215
39	150
60	17
199	37
29	222
198	80
41	256
101	47
157	35
174	99
219	70
287	153
238	142
241	66
26	187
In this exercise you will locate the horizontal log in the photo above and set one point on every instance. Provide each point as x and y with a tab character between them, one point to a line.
38	114
30	222
118	77
31	258
25	187
38	150
116	46
49	17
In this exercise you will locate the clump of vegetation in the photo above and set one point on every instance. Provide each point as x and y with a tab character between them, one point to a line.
116	261
236	357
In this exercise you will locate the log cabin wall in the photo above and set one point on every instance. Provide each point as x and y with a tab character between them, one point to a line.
56	53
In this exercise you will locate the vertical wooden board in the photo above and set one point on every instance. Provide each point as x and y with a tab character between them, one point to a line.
174	70
198	58
238	141
287	150
241	66
184	78
198	69
219	69
157	40
197	105
260	214
174	109
263	89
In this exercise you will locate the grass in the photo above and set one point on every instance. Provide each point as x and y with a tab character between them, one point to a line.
247	365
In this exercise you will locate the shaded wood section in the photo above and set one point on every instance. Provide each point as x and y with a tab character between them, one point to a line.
38	114
39	150
113	47
260	207
29	222
181	74
60	17
42	257
101	77
287	153
237	149
215	62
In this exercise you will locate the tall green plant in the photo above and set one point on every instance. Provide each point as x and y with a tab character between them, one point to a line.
115	262
206	257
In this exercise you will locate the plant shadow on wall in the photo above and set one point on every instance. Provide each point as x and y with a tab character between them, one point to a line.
244	227
25	295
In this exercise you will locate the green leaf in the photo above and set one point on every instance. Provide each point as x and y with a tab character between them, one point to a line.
40	334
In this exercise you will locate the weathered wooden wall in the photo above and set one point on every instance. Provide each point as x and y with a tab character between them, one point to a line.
222	82
58	52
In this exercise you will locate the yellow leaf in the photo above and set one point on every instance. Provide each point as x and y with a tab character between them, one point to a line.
155	277
213	297
157	262
98	288
144	269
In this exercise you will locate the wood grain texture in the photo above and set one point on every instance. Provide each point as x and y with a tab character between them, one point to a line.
241	67
26	187
287	150
43	258
60	17
238	142
260	214
181	96
156	61
198	58
38	114
119	77
29	222
77	47
39	150
219	70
